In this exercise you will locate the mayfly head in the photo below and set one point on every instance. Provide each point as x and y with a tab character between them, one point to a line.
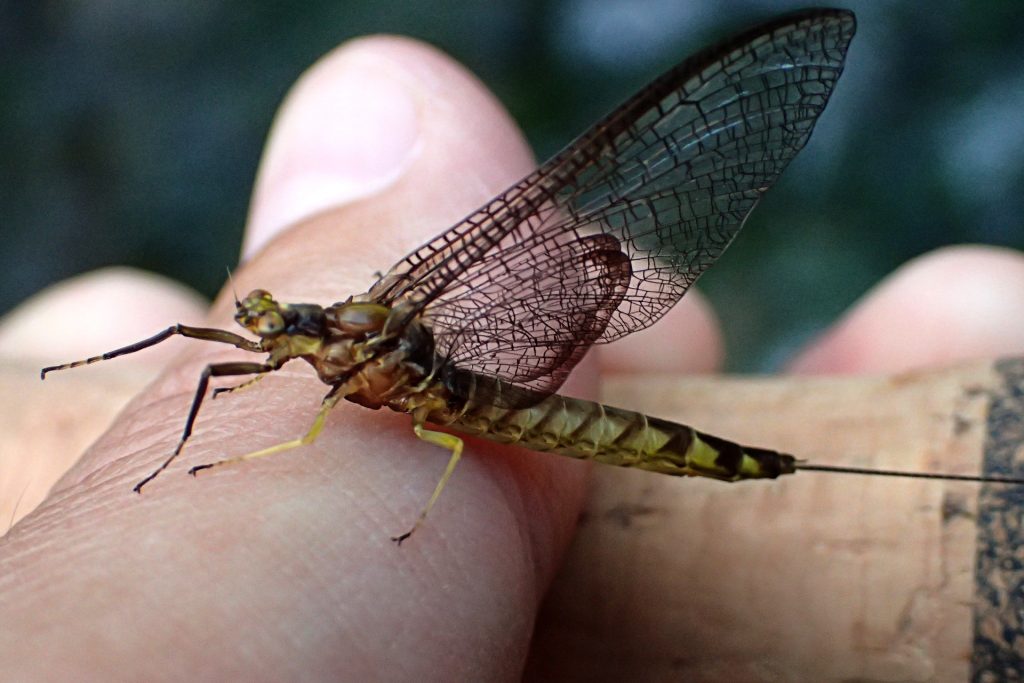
259	313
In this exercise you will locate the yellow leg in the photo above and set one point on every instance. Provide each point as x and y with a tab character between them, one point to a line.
449	442
309	437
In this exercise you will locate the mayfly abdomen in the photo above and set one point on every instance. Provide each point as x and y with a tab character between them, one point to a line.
592	431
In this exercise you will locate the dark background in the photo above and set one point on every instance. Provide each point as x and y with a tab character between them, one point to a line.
131	132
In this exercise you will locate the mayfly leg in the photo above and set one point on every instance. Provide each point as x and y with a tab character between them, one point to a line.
205	333
213	370
449	442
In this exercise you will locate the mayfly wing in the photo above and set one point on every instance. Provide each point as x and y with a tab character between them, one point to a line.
575	288
520	289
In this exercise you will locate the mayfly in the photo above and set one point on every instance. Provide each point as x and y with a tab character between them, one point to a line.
477	329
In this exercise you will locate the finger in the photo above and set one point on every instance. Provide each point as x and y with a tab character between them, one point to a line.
45	427
290	555
346	131
953	304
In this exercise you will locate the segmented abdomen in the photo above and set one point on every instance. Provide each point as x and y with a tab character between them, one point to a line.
589	430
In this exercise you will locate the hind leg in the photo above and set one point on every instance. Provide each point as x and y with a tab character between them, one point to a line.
449	442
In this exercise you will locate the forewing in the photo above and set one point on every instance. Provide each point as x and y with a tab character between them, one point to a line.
671	176
576	286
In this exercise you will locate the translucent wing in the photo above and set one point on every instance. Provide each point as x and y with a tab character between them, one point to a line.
519	290
577	287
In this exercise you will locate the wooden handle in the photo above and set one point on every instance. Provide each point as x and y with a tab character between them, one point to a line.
817	576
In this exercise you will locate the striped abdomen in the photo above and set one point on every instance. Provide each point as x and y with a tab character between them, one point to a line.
584	429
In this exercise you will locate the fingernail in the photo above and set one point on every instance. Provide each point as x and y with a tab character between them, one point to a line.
347	130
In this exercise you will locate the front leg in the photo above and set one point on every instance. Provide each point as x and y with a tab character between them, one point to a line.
204	333
213	370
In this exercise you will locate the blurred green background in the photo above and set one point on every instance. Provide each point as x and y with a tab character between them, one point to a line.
131	132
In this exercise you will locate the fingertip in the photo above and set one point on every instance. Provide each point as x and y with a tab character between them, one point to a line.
356	122
95	312
345	130
952	304
467	150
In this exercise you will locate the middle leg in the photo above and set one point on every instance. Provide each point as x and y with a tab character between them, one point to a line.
329	401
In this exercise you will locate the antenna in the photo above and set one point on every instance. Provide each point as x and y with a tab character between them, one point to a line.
234	292
911	475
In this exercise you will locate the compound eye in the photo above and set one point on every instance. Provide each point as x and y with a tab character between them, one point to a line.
258	294
269	323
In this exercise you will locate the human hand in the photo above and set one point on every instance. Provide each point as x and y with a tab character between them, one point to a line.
284	567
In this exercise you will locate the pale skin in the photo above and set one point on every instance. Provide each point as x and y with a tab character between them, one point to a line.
283	567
